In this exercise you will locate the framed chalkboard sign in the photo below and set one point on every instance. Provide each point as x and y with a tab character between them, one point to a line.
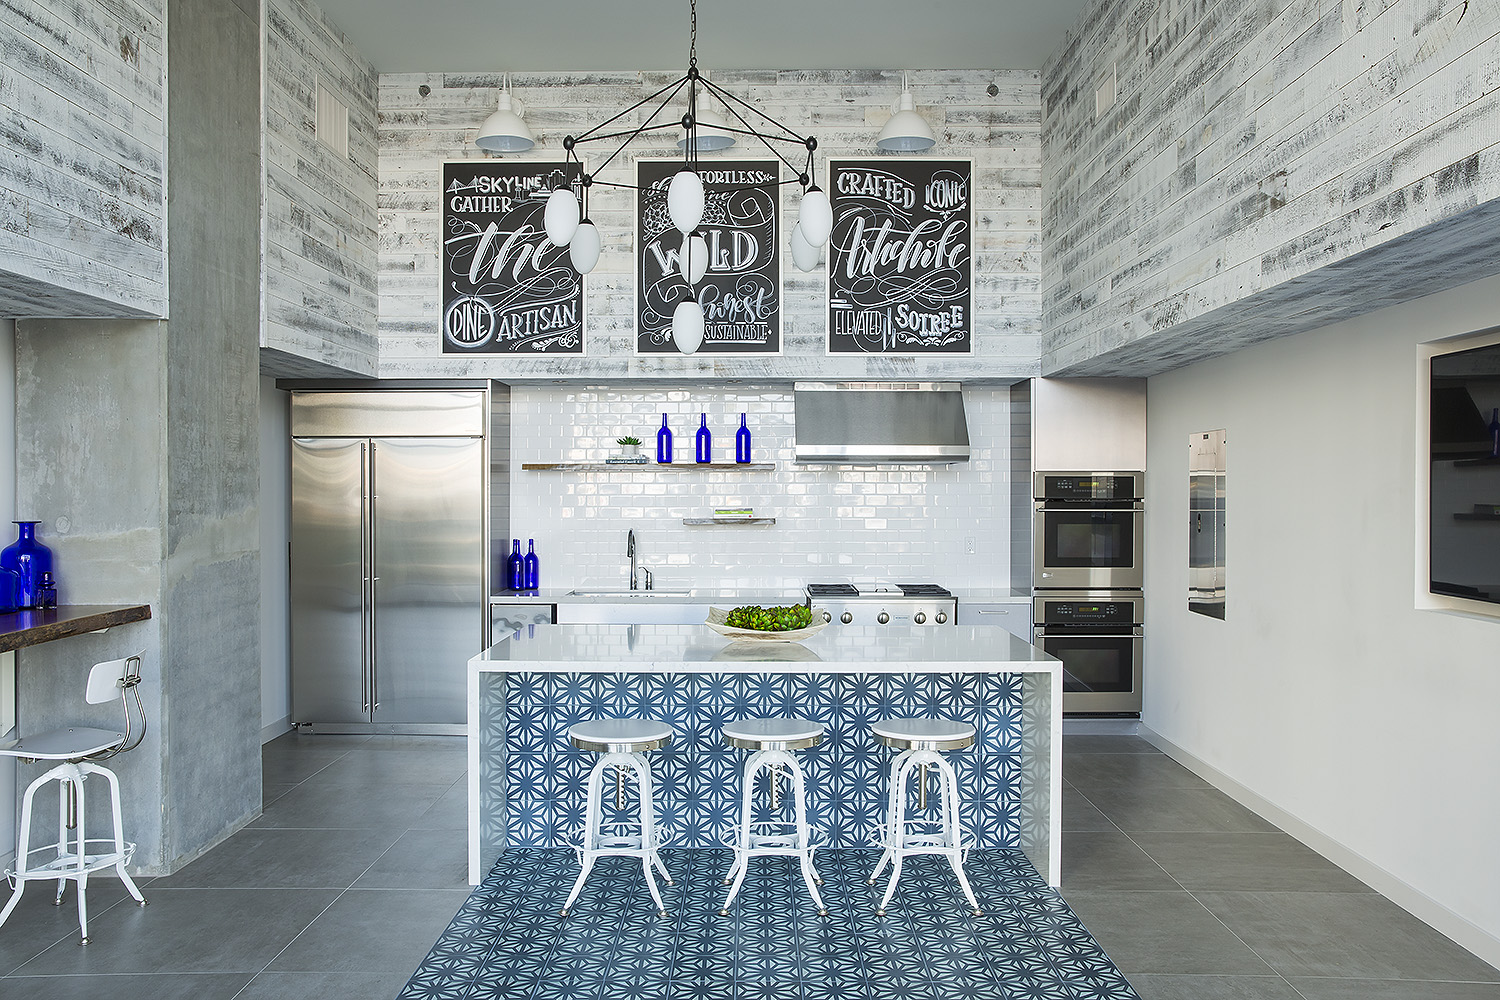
741	291
506	288
900	258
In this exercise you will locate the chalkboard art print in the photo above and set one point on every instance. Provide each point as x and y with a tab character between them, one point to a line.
741	291
506	288
900	257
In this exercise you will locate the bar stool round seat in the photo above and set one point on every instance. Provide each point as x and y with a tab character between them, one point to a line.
622	745
772	742
922	742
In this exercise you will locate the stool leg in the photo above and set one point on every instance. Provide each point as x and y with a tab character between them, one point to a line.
648	829
114	801
23	840
893	834
954	829
804	836
591	835
65	794
906	763
742	838
80	816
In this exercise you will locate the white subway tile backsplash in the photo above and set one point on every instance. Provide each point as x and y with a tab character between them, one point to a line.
901	523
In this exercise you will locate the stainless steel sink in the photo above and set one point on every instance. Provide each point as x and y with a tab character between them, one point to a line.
630	593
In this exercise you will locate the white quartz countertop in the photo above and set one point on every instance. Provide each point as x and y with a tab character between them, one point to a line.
696	649
721	596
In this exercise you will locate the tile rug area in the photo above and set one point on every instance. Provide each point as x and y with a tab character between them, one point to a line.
508	942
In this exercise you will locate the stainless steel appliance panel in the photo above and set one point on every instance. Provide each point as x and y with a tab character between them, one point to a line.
1101	673
429	586
1089	548
329	581
389	413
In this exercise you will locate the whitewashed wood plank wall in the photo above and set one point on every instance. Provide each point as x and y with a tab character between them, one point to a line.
992	116
1268	167
83	158
320	288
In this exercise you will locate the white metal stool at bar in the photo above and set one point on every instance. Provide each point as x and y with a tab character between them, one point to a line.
622	744
772	741
78	749
920	741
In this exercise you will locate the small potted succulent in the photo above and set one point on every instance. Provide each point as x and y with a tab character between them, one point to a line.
630	448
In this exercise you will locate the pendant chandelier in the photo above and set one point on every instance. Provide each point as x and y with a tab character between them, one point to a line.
567	221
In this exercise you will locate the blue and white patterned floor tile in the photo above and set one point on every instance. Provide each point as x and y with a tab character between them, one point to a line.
508	942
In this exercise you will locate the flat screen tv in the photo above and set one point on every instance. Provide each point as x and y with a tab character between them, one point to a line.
1464	481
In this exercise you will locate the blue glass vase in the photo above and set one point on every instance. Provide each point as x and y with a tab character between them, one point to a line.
29	559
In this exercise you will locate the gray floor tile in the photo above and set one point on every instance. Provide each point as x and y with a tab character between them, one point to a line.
1343	935
1108	860
1079	814
324	986
387	741
451	812
358	934
1245	861
285	859
189	930
162	986
1158	987
1089	771
1091	743
271	792
1389	989
1174	810
365	766
37	925
1162	932
350	807
421	859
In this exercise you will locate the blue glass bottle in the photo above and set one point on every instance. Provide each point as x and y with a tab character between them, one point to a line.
742	442
705	443
530	566
664	443
29	559
515	573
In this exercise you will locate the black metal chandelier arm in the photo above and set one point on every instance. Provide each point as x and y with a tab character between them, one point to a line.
731	99
674	87
645	126
766	139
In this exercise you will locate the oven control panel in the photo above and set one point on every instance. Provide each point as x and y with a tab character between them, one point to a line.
1092	611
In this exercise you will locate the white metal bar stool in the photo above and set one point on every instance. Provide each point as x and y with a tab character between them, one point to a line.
920	741
622	744
772	741
78	749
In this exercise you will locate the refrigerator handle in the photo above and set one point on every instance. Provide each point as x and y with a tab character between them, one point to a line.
364	578
374	601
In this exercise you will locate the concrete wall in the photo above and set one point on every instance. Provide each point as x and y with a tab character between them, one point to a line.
1325	697
1267	167
844	110
275	534
7	512
83	158
320	224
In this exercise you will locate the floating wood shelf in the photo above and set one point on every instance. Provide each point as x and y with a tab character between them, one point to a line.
647	466
729	520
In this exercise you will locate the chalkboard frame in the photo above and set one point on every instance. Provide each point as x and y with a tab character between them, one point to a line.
773	270
831	261
455	288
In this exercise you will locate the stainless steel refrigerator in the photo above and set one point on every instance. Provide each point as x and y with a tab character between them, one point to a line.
388	556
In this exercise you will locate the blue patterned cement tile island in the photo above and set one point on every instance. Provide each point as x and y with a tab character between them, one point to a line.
508	942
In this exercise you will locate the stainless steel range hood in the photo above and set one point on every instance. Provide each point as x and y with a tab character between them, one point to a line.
875	423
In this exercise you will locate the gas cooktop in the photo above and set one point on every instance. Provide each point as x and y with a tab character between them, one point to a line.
876	590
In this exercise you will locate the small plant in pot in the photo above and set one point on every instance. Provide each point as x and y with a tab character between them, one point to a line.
630	446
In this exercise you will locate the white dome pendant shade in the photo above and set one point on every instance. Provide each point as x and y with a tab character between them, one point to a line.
712	133
804	254
815	217
687	326
584	247
561	216
504	131
693	260
685	200
907	131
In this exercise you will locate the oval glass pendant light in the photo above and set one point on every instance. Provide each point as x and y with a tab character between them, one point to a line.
815	217
804	254
692	262
687	326
685	200
504	131
561	216
584	247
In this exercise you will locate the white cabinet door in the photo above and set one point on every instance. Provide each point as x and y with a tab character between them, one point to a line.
1013	616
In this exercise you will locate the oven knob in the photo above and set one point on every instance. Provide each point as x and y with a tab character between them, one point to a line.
827	617
846	618
920	618
942	617
883	618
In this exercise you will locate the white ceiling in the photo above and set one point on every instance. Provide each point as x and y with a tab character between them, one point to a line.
402	36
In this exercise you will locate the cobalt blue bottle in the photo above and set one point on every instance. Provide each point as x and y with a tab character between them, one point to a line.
530	566
742	442
705	442
664	443
515	574
29	559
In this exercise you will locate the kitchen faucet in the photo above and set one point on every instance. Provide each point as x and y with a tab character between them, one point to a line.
634	575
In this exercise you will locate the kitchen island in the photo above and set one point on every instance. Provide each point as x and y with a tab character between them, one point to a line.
526	783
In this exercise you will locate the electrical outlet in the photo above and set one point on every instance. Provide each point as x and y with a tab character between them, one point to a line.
971	546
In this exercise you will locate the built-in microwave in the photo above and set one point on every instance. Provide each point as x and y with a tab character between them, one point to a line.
1088	530
1098	637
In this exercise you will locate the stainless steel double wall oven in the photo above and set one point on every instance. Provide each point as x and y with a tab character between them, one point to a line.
1088	539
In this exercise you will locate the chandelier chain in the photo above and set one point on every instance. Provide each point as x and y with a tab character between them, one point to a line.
693	33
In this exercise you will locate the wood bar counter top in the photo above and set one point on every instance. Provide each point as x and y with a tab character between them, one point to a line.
19	629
